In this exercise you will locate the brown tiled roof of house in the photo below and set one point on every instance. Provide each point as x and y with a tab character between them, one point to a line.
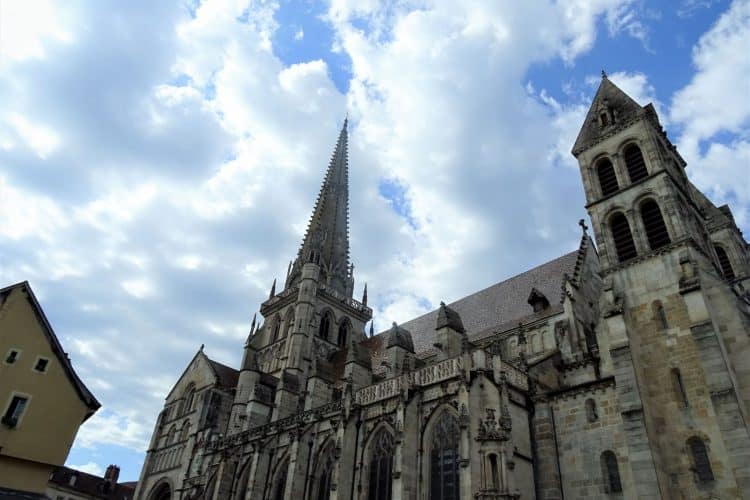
91	485
502	304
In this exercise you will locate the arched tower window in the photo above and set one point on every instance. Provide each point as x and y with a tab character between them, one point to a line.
381	466
624	244
701	462
634	162
185	430
607	178
660	315
288	322
444	459
611	472
678	386
343	335
325	326
726	266
189	397
591	414
653	222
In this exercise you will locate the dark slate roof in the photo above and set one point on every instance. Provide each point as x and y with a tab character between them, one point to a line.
622	104
86	396
501	304
227	375
91	485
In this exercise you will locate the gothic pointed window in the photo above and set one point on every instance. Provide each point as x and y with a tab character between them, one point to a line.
624	244
343	335
288	323
325	326
607	178
701	462
444	459
634	163
653	222
279	486
323	490
381	467
611	472
189	397
726	265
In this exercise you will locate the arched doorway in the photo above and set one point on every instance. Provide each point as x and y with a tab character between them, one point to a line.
161	491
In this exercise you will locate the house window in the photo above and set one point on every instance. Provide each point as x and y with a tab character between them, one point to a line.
381	467
726	266
634	162
611	472
701	462
41	365
444	459
607	177
15	411
624	244
653	222
12	356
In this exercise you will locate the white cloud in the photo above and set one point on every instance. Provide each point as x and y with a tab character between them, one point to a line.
90	468
26	27
38	137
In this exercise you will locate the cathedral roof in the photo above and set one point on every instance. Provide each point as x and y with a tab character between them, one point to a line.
226	375
608	96
503	303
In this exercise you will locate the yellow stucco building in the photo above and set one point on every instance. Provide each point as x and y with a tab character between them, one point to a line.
42	400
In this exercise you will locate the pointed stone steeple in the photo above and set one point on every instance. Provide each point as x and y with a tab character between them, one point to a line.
326	240
610	110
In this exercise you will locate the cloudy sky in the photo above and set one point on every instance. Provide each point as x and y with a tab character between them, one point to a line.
159	160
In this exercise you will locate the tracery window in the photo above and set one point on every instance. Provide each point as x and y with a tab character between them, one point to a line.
381	466
624	244
444	459
607	178
653	222
611	472
634	162
324	481
276	329
325	326
726	265
701	462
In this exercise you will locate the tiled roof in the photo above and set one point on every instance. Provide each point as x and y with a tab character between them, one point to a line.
91	485
500	304
61	355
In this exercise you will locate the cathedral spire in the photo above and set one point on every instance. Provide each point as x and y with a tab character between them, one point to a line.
326	240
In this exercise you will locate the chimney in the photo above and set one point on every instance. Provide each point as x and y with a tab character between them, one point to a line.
112	473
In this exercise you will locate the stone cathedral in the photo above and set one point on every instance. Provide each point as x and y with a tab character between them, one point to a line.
620	370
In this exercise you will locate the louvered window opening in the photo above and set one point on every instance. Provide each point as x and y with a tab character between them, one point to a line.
444	459
607	177
635	164
653	222
701	463
381	466
612	472
726	266
624	244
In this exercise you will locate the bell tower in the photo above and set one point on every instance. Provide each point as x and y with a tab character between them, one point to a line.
293	358
673	332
